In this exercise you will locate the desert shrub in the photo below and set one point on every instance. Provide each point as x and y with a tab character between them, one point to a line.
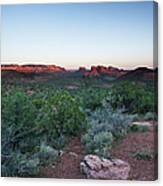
150	116
47	154
105	125
18	116
98	143
19	164
64	115
139	128
27	121
145	154
91	98
137	117
19	135
133	97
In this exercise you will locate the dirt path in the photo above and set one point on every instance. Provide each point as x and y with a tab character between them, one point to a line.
68	166
140	169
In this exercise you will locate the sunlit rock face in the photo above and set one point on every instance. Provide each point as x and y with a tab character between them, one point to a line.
102	70
32	68
92	72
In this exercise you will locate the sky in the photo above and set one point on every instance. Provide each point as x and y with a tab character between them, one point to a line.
81	34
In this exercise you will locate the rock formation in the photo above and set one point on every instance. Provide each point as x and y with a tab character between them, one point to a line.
97	168
32	68
102	70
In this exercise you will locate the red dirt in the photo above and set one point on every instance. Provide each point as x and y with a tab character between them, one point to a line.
140	169
68	165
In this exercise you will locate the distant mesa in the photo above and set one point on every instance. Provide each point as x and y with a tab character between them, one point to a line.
140	74
92	73
97	71
32	68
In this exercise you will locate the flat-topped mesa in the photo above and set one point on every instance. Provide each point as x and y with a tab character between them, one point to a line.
32	68
55	68
9	67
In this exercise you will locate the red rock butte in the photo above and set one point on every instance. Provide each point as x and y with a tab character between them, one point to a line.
102	70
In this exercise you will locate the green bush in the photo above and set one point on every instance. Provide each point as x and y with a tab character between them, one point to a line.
150	116
105	125
19	164
145	154
28	121
47	154
91	98
63	115
133	97
139	128
99	143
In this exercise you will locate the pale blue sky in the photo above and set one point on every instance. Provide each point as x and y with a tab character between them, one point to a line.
73	35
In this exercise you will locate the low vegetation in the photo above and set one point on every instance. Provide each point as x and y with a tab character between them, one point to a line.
145	154
39	118
133	97
105	126
28	122
139	128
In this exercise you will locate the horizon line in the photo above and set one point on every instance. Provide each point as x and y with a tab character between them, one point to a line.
82	66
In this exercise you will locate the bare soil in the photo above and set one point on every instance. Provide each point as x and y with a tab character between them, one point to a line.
68	166
134	142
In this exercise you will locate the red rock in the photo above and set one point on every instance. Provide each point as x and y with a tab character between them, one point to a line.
82	69
99	70
99	168
33	68
92	72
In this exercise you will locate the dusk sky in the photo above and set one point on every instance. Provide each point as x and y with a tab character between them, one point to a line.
73	35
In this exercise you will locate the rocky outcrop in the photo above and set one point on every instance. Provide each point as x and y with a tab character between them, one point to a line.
116	72
97	168
102	70
92	72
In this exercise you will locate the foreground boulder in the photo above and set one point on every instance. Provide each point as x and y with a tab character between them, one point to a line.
97	168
